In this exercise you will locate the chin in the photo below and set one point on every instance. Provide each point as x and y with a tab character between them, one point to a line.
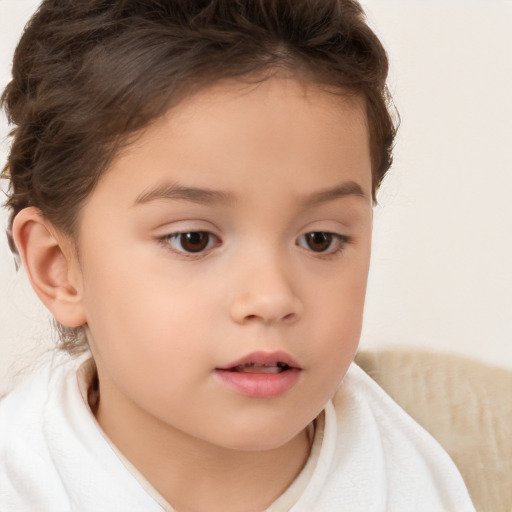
263	439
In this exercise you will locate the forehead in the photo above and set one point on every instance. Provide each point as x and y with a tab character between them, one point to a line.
292	99
234	133
265	88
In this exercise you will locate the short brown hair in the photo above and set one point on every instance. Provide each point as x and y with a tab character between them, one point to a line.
89	74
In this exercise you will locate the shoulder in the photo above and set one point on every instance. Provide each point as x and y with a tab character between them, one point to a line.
406	464
27	474
361	403
53	454
360	393
25	404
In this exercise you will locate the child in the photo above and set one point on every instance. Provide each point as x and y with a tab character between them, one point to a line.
191	194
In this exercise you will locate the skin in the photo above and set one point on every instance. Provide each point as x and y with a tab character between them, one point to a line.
159	320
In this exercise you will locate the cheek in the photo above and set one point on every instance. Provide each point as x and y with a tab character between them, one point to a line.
338	330
339	301
145	339
338	312
136	311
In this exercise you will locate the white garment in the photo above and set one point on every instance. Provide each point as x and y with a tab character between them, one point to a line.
367	455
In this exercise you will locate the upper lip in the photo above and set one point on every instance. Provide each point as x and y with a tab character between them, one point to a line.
263	358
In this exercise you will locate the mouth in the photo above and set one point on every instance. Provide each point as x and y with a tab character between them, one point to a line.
278	367
262	362
260	374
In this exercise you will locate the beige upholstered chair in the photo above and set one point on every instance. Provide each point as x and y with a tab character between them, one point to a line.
465	405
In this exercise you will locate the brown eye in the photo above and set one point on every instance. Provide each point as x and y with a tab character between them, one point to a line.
318	241
323	242
192	241
196	241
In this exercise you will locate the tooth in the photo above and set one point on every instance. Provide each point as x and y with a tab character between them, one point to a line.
253	367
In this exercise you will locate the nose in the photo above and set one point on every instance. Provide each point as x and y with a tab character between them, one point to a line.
265	294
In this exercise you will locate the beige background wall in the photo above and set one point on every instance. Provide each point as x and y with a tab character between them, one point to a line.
442	260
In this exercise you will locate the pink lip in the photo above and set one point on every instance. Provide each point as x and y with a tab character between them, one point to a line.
260	385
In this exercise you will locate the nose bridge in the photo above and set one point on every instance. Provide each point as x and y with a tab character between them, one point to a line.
265	290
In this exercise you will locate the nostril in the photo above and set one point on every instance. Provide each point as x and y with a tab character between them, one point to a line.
270	319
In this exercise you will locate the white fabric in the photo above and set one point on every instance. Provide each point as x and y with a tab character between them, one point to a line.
367	455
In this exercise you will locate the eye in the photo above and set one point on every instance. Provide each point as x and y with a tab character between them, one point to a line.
322	241
191	242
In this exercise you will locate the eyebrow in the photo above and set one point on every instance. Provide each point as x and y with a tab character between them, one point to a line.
347	188
175	191
184	193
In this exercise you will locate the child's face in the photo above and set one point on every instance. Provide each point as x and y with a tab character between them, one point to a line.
247	173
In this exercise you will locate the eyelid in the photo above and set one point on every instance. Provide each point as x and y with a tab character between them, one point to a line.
340	241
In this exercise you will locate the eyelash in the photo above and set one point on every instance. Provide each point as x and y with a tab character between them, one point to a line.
167	242
341	241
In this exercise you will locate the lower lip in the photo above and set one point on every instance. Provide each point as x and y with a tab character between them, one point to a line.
259	385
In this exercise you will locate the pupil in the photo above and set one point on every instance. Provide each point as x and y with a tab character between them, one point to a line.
195	241
318	241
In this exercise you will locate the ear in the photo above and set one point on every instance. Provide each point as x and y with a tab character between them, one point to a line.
51	265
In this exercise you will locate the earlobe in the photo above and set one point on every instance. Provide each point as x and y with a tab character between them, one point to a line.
50	265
